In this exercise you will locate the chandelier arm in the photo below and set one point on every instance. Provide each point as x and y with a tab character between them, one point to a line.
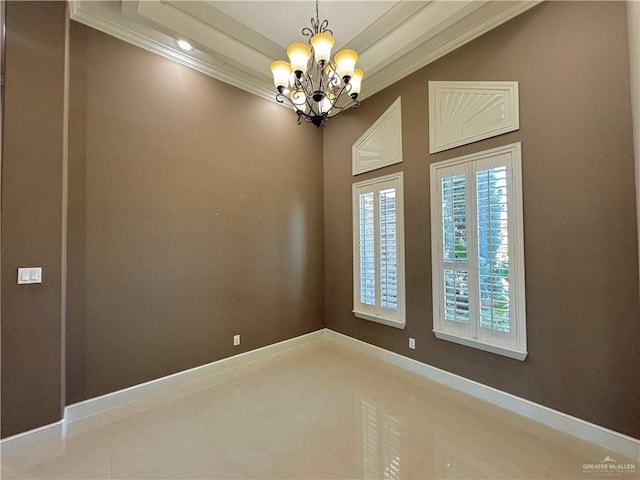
310	106
335	109
341	89
308	32
307	90
280	98
321	80
335	82
344	89
304	116
339	110
305	85
297	84
324	27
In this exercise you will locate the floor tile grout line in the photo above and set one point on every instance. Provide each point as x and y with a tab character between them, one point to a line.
109	445
209	436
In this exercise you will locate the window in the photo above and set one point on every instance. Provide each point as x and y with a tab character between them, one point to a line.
478	251
378	250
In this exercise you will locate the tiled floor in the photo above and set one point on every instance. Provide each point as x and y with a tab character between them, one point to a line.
317	412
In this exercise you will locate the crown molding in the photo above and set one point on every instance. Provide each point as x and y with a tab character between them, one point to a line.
427	53
204	36
432	32
223	72
417	30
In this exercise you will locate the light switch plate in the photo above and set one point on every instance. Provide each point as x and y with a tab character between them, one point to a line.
29	275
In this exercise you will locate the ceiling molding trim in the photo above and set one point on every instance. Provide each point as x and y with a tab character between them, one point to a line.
430	21
212	16
204	34
483	19
105	25
410	64
394	19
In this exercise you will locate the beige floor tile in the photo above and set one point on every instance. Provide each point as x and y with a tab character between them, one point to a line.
200	462
260	445
225	406
83	454
213	380
478	446
379	440
262	363
9	472
150	401
143	441
32	449
325	412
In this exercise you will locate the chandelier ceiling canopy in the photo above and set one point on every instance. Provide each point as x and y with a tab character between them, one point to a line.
316	87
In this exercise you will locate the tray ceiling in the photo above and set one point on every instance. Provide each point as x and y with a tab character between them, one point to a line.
236	41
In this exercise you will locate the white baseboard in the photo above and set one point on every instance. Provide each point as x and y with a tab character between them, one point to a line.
95	405
603	437
51	431
120	397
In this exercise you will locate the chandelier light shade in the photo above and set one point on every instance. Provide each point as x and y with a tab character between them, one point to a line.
346	63
322	43
299	55
356	81
281	72
313	85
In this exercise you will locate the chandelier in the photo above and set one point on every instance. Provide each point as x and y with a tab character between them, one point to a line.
316	87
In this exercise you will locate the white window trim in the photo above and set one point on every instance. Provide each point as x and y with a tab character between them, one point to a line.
377	314
449	112
382	140
516	252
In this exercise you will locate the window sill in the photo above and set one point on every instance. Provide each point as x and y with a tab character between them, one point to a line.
497	349
379	319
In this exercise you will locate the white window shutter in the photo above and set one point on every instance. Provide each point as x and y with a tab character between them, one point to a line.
378	249
478	251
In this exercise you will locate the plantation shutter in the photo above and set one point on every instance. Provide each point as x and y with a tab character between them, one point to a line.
493	248
378	256
388	249
478	267
367	249
454	248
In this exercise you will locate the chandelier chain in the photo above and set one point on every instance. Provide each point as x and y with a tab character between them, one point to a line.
317	25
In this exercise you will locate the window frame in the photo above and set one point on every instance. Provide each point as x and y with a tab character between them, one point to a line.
513	345
377	313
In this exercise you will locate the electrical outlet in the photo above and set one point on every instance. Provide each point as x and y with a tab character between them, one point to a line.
412	343
236	340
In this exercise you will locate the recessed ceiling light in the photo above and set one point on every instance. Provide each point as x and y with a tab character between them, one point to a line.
184	45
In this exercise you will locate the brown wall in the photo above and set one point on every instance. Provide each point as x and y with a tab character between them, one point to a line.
583	314
32	170
191	218
195	213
